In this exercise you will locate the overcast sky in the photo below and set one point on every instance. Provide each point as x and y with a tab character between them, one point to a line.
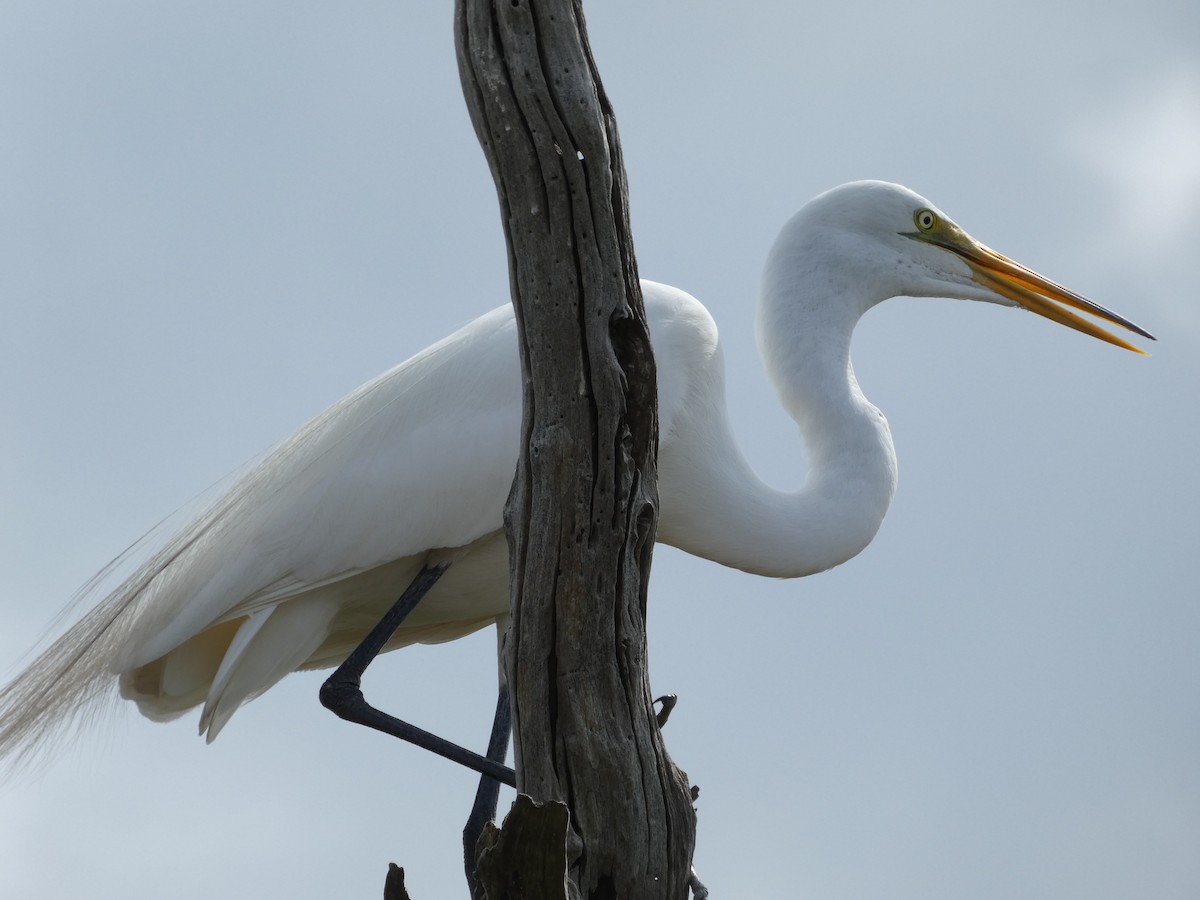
217	218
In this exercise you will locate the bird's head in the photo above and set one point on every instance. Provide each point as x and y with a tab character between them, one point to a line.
907	246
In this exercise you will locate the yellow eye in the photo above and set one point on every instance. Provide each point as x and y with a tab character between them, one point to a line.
925	219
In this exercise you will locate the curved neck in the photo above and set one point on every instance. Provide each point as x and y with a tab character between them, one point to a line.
721	509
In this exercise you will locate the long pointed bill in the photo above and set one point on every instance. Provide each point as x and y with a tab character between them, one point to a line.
1040	295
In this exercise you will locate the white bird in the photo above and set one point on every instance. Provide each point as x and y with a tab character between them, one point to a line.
301	557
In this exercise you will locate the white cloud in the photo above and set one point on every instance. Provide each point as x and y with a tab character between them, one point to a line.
1145	147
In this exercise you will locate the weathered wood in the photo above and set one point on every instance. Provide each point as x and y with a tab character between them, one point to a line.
582	512
393	885
526	859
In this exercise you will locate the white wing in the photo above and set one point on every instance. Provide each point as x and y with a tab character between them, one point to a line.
292	565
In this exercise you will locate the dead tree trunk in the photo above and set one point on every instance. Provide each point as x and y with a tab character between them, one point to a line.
582	513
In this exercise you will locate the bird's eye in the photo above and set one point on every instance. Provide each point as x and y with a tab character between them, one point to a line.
925	219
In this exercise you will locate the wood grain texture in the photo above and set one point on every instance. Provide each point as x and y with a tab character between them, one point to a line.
582	512
527	857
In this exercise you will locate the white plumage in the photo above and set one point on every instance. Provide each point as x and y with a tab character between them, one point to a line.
291	566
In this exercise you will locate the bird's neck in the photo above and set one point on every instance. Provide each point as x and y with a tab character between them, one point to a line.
736	519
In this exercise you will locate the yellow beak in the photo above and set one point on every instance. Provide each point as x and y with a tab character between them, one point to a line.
1031	291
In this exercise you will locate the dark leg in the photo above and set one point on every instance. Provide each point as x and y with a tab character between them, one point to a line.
342	691
488	794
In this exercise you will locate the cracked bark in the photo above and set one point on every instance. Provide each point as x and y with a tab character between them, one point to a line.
582	513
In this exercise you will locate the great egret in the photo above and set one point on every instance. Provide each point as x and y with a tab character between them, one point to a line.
407	477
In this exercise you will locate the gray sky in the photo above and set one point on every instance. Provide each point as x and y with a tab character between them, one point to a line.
217	218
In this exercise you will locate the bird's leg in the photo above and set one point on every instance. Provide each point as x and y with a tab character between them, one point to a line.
342	691
488	793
